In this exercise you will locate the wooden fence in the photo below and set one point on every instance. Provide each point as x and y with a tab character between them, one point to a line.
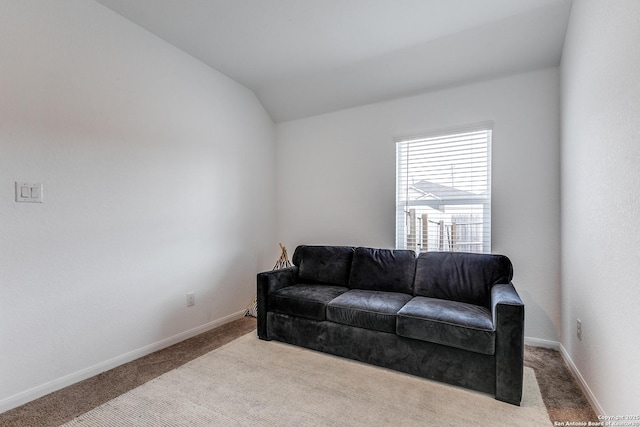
463	233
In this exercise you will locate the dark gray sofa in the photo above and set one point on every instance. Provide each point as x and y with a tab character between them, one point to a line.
446	316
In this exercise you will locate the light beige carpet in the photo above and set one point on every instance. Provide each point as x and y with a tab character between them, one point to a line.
250	382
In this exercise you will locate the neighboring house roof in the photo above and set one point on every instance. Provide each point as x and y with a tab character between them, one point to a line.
427	190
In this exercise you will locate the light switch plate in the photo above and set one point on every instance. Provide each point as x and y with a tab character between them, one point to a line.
29	192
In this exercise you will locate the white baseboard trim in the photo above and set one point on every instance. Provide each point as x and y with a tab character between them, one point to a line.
60	383
539	342
583	384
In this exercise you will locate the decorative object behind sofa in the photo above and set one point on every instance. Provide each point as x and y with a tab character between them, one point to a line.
447	316
283	262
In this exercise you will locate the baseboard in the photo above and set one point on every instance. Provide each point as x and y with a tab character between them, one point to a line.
539	342
583	384
60	383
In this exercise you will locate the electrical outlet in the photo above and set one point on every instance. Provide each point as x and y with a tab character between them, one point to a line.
191	299
579	329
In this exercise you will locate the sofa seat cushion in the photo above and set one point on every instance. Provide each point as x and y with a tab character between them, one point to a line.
304	300
456	324
375	310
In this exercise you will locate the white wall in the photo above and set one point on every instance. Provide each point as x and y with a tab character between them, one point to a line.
336	177
158	178
600	203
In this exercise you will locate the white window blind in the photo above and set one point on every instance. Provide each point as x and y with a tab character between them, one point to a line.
443	194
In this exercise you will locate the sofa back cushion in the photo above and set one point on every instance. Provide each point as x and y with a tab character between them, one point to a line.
323	264
389	270
458	276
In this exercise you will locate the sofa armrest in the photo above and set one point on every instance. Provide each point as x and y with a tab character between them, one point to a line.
268	282
508	319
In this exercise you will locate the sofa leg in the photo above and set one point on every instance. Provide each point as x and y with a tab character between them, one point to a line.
263	336
507	400
510	391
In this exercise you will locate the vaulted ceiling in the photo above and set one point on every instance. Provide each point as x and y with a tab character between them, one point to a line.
307	57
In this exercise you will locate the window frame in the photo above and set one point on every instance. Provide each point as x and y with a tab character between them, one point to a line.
404	204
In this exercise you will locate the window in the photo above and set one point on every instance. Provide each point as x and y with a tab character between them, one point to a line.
443	193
